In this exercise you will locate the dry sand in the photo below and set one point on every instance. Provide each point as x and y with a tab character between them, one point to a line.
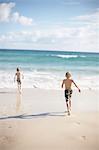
36	120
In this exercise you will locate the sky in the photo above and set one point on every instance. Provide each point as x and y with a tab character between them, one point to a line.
68	25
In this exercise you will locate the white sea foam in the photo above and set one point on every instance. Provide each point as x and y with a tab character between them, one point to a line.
46	80
68	56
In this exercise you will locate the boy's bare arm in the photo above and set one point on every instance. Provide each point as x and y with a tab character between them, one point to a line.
76	86
62	84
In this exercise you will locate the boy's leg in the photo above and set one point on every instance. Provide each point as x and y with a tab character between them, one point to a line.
70	104
19	87
67	101
67	105
68	108
70	98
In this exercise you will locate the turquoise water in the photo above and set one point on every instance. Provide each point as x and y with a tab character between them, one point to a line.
46	69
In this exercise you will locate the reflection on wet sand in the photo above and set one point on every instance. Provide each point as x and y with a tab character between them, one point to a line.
18	101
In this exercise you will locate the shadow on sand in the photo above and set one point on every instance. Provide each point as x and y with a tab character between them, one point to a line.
39	115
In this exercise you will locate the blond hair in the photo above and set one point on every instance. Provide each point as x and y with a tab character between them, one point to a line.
68	75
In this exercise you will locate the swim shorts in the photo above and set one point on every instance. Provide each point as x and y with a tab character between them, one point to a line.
19	81
68	94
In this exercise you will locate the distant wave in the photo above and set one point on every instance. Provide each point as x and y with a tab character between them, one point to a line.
68	56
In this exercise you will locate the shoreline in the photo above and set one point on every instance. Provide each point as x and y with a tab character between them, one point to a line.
43	100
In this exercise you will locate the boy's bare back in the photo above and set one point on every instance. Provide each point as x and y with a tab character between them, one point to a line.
67	83
18	75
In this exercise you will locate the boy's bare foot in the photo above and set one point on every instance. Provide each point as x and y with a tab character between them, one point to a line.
68	113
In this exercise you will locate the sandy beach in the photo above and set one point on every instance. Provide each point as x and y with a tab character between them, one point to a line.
47	46
36	119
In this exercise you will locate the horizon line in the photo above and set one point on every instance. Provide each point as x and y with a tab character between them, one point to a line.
47	50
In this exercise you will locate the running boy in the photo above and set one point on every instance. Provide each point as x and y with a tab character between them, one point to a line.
18	79
68	91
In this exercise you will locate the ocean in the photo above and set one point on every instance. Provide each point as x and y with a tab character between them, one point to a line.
46	69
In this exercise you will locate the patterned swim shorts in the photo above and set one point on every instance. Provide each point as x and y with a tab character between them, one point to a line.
68	94
18	81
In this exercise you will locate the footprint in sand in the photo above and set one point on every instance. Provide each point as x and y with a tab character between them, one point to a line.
3	139
78	123
6	139
83	137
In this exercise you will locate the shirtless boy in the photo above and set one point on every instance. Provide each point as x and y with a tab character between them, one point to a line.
18	79
68	91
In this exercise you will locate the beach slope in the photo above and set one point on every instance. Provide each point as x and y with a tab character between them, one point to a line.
39	121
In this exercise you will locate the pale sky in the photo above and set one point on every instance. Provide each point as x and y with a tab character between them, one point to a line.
69	25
